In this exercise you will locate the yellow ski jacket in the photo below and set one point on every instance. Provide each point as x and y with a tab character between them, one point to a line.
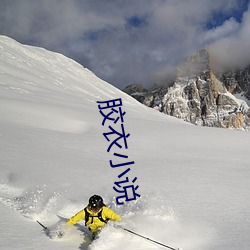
94	223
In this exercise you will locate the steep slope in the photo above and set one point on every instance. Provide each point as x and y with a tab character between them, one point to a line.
193	181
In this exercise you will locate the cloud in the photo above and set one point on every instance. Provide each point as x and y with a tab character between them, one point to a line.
123	42
228	28
233	49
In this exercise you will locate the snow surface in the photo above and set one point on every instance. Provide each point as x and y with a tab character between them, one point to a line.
194	181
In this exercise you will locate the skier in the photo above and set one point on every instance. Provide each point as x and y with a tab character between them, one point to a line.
95	214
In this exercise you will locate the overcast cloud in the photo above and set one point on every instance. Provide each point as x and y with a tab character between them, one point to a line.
131	41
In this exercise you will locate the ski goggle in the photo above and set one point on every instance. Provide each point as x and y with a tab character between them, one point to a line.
94	208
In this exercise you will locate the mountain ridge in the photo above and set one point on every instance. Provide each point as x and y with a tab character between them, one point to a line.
201	95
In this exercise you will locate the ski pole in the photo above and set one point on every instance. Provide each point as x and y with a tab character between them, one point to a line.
159	243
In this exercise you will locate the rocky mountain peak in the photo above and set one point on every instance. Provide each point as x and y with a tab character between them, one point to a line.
200	96
196	64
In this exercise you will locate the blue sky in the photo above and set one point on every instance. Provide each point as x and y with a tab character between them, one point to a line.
131	41
218	17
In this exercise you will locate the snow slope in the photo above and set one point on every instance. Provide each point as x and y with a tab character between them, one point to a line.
194	182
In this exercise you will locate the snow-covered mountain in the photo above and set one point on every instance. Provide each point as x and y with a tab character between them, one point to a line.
201	95
193	181
237	81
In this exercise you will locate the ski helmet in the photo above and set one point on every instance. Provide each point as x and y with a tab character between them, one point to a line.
96	202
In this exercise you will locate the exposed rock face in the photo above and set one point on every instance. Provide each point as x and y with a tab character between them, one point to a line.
237	81
199	97
137	91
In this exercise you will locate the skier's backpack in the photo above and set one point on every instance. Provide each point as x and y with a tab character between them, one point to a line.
99	215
